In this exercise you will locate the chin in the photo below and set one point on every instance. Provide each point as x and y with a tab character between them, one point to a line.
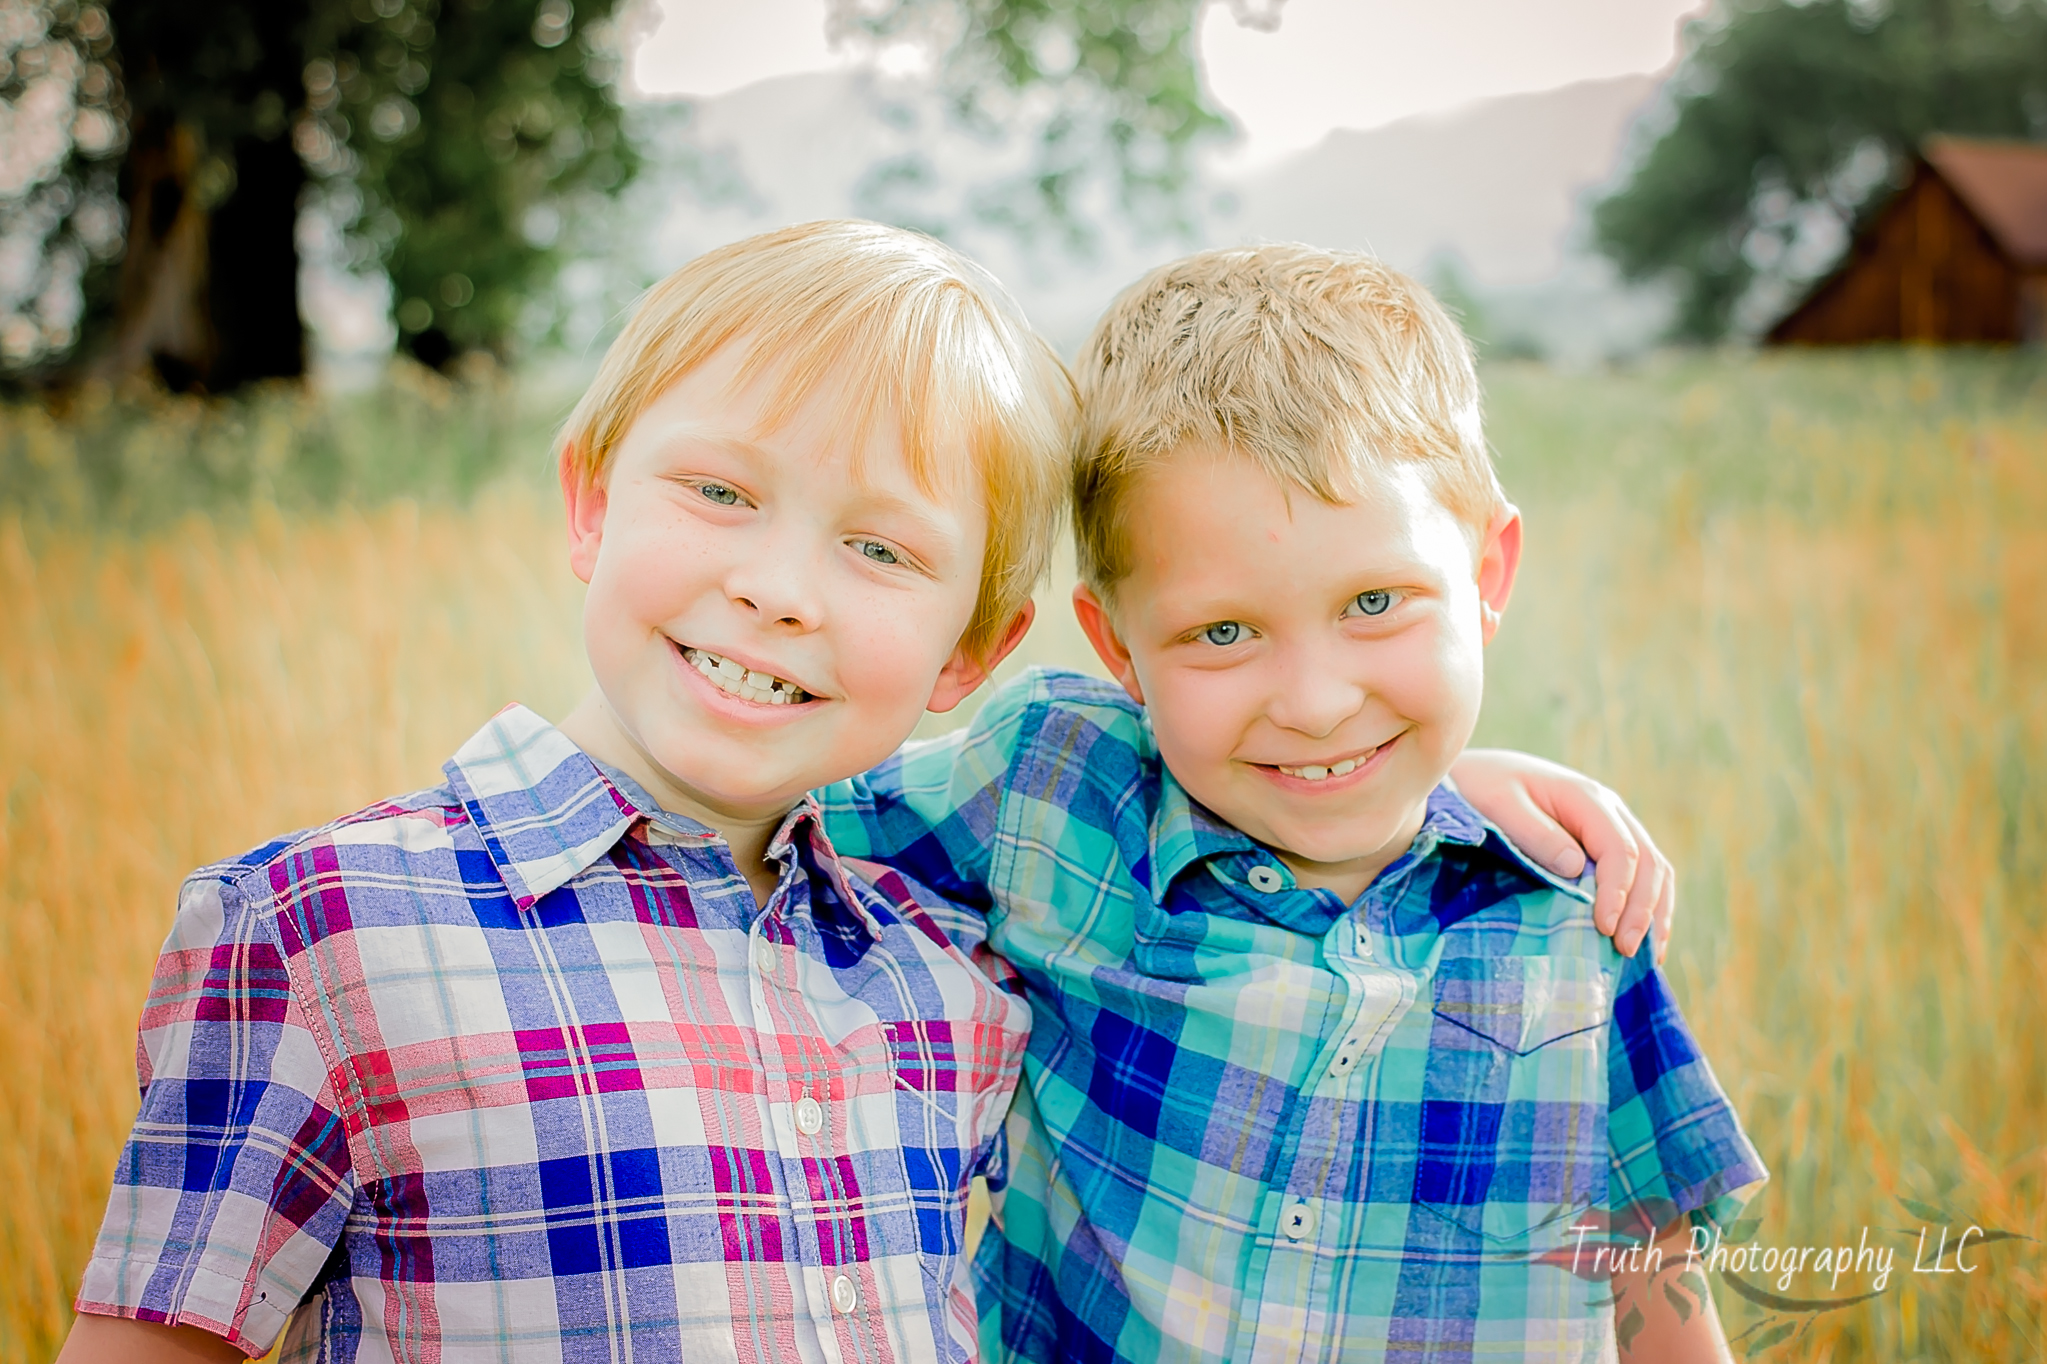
1354	839
725	773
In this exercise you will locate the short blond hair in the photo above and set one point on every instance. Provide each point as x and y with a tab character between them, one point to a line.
1319	366
912	328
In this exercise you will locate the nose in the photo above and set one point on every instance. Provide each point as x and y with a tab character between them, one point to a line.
1312	695
776	583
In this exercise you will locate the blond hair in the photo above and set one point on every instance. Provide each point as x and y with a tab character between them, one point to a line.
1319	366
909	328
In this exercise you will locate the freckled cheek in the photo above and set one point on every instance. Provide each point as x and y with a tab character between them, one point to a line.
658	569
888	652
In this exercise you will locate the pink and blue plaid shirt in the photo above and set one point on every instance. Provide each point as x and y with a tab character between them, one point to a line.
516	1069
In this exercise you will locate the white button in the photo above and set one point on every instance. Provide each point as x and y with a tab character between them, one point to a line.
843	1295
764	956
810	1116
1365	944
1265	879
1298	1221
1347	1053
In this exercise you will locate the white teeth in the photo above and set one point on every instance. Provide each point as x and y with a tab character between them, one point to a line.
761	688
1318	772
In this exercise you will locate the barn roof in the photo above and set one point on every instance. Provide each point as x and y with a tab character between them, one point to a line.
2006	186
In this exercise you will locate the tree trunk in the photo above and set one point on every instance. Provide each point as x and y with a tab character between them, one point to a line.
253	268
209	292
160	318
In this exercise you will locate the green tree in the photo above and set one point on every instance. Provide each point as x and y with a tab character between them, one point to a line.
448	141
1108	91
1786	121
457	137
62	133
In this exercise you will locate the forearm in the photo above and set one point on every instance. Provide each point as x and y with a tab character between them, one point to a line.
118	1340
1665	1314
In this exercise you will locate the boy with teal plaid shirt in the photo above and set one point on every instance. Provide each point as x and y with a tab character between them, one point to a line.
1323	1066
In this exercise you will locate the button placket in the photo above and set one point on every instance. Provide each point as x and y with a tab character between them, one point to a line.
822	1234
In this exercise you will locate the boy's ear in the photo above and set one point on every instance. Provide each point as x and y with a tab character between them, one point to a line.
1500	555
1109	646
583	499
964	671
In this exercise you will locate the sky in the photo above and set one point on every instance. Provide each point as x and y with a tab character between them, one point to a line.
1331	64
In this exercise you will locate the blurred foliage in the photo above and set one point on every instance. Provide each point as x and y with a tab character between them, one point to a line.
1109	92
1786	121
446	144
458	138
62	129
136	460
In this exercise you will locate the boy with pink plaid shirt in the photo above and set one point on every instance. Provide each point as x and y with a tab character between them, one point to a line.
599	1050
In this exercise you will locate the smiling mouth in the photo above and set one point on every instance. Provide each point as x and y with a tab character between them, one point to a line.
761	688
1327	771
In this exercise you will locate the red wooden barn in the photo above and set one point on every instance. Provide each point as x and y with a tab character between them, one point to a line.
1955	256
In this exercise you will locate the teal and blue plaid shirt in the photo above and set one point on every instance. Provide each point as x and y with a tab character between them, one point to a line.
1259	1124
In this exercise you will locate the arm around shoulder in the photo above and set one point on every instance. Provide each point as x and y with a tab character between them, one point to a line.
930	809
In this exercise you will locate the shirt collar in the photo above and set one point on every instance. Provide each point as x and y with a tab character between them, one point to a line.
547	811
1184	833
1452	819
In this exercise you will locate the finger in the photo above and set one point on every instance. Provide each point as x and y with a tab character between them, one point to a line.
1616	857
1638	912
1667	910
1639	915
1537	833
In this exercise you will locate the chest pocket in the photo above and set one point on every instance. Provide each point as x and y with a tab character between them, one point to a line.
1513	1146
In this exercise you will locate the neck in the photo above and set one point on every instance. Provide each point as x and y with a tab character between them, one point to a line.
594	728
1348	878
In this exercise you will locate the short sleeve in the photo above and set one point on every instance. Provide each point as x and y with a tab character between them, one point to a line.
235	1183
931	810
1675	1143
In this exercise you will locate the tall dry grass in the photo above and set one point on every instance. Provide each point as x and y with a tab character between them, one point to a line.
165	702
1791	607
1794	610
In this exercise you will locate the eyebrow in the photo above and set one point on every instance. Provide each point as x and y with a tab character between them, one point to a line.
889	504
731	444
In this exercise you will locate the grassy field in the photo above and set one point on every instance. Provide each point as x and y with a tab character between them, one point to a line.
1791	606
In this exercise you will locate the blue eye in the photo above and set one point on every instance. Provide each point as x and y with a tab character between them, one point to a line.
719	493
1224	633
1373	603
878	552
